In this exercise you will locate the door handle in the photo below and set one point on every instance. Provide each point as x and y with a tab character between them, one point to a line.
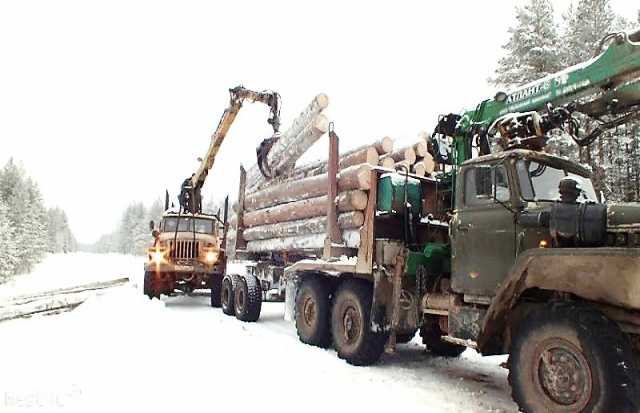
464	227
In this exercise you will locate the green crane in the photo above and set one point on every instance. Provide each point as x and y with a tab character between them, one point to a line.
605	88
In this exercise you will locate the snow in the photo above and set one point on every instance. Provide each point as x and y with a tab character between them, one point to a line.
123	352
68	270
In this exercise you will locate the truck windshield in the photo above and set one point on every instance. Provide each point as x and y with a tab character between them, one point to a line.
539	182
202	226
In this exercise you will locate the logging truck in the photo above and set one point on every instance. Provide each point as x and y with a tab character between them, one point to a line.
187	255
507	249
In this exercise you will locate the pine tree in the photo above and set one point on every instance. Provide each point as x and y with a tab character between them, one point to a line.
532	51
8	248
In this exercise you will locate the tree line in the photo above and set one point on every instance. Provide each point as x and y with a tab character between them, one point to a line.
132	234
28	230
539	46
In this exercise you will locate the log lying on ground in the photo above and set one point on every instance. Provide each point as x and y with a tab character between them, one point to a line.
316	225
291	141
351	239
355	200
53	301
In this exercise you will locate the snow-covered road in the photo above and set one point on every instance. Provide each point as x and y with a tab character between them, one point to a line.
123	352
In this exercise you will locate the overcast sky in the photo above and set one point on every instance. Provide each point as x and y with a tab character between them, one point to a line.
105	103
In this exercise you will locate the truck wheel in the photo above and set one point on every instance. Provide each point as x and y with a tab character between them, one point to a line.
149	287
248	299
227	293
313	312
568	357
432	338
351	325
404	338
215	284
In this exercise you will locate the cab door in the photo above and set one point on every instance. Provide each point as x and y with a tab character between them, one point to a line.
483	236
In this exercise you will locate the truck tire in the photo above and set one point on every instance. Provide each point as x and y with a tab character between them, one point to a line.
248	299
404	338
568	357
351	324
432	338
149	287
227	296
215	284
313	312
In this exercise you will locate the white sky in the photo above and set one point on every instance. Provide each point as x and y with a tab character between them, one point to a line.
106	103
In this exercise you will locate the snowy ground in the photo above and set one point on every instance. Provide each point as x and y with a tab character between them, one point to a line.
123	352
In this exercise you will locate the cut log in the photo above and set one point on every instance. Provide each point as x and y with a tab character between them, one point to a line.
403	154
387	163
429	164
402	166
307	208
365	155
304	140
355	177
316	225
419	169
384	145
420	148
291	137
302	242
54	301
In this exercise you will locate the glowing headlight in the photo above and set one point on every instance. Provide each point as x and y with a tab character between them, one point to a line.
211	256
156	255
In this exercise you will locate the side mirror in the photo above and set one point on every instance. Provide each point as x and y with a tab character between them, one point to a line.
152	225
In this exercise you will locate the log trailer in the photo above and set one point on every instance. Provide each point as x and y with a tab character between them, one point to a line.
188	251
507	251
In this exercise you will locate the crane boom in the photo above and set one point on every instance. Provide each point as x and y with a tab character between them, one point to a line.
190	196
607	85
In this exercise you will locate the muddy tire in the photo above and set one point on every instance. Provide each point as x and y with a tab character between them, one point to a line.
149	288
405	337
432	338
248	299
215	284
350	324
568	357
227	296
313	312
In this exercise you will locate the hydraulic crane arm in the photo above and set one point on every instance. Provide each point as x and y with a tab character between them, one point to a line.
190	198
607	86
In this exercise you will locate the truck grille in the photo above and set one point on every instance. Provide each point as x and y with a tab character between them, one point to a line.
184	250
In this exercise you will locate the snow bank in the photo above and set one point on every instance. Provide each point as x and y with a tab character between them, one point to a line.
68	270
123	352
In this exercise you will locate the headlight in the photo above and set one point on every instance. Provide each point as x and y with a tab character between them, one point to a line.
156	255
211	257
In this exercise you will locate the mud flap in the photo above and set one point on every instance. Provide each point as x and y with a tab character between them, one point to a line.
380	321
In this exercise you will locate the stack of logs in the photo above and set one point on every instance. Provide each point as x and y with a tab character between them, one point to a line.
290	212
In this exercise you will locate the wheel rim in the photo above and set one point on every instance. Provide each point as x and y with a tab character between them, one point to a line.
309	311
351	324
563	374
